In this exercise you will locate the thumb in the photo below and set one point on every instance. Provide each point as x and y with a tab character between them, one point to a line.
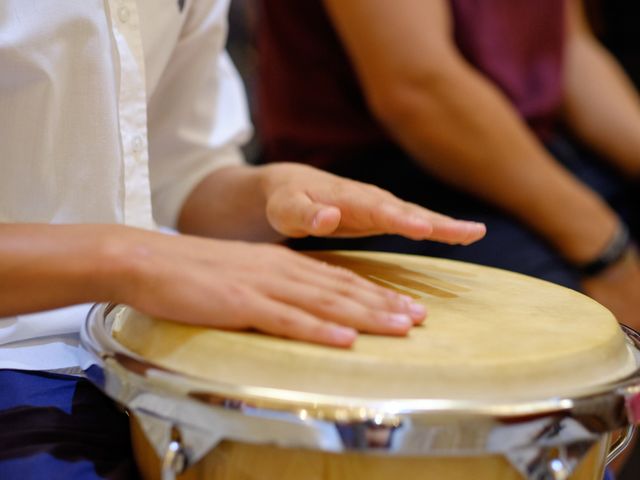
297	215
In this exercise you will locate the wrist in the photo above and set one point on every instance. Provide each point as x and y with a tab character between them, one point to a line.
120	260
619	247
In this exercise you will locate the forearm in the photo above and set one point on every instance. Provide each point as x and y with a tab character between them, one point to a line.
50	266
229	204
464	131
601	105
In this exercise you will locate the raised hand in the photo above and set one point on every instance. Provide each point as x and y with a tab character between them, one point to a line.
303	201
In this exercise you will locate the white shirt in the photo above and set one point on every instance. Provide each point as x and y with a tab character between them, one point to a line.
111	111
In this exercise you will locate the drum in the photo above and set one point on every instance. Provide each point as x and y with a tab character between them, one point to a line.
509	377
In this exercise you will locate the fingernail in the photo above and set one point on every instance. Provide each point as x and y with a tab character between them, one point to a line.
417	310
315	221
406	299
343	335
399	320
475	228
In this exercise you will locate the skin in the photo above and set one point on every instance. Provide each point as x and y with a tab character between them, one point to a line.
229	283
609	123
434	103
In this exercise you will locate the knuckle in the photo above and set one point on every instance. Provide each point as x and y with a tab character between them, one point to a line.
285	324
375	190
328	302
346	288
338	189
273	253
237	298
319	331
390	303
276	249
345	275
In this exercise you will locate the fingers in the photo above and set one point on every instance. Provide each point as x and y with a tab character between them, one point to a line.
368	210
347	209
337	294
296	215
342	310
234	305
325	221
449	230
330	316
345	283
412	221
236	285
285	320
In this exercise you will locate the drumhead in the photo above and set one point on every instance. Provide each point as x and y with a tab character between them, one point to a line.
490	335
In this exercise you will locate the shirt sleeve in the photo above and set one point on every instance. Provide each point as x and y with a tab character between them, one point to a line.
197	115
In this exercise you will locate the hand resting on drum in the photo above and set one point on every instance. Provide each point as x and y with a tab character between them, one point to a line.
237	285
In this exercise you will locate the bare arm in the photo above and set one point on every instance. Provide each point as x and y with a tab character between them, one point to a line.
459	126
44	267
601	105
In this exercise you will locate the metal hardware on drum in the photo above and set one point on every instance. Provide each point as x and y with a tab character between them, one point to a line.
174	461
621	443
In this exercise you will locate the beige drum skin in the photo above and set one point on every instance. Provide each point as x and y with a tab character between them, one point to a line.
490	336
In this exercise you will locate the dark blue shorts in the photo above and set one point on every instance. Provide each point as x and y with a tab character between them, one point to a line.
60	427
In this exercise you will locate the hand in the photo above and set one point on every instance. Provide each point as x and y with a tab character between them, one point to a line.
304	201
618	289
237	285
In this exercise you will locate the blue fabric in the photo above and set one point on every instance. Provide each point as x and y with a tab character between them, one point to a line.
43	466
608	475
20	390
60	427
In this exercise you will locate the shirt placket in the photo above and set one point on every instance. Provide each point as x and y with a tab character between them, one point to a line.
132	106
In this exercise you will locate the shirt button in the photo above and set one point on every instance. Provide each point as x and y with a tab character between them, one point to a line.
138	144
124	14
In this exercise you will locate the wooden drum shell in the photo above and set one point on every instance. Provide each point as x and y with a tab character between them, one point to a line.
242	461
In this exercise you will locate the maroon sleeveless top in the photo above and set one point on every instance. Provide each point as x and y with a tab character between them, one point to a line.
310	104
